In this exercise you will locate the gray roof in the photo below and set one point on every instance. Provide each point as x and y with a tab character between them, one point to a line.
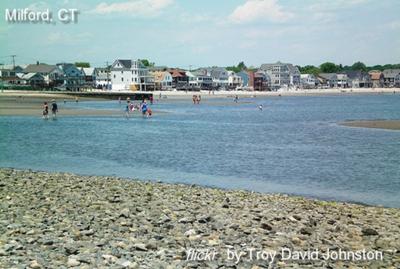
357	75
265	66
125	63
391	73
40	68
328	76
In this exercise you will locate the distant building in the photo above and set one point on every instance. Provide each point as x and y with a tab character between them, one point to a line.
259	80
102	78
279	74
245	79
343	81
32	79
294	75
219	76
234	80
327	80
8	76
162	80
130	75
89	75
180	80
359	79
377	78
52	74
308	81
199	80
391	77
74	78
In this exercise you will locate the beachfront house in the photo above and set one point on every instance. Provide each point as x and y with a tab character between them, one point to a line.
391	77
52	74
7	76
33	79
102	78
343	81
245	80
219	76
294	75
359	79
279	74
377	78
199	80
259	80
74	78
234	80
308	81
327	80
130	75
180	80
89	75
162	80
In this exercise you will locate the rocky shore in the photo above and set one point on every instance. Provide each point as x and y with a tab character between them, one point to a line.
60	220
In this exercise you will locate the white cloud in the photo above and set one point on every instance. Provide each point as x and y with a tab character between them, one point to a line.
68	38
134	7
254	10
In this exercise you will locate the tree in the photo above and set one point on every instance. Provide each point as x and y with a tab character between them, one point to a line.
309	69
82	64
359	66
240	67
147	63
329	67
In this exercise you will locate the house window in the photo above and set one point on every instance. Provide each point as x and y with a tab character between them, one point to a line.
114	75
122	79
122	72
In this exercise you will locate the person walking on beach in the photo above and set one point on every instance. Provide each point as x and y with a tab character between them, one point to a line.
119	100
54	108
45	111
236	98
76	99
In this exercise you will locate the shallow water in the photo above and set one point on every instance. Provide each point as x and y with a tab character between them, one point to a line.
293	146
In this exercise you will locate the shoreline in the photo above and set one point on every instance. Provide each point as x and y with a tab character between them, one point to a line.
61	219
373	124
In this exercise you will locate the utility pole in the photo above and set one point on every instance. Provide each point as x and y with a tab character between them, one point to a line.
13	59
108	75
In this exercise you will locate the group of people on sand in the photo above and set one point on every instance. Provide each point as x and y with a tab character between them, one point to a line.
54	109
143	108
196	99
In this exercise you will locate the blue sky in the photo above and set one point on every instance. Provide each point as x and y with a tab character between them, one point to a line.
208	32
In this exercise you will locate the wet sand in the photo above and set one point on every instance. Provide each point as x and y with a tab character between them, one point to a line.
379	124
31	104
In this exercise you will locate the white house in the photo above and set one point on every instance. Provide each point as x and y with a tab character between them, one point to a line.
308	81
130	75
234	80
342	81
199	79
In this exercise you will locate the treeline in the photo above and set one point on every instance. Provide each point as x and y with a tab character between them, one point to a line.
329	67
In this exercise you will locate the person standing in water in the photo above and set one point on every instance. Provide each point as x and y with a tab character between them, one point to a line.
45	111
144	108
260	107
236	99
76	99
54	108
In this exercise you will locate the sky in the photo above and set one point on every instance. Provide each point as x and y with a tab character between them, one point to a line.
189	33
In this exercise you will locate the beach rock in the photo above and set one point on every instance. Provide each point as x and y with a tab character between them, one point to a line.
72	262
306	231
35	264
266	226
369	232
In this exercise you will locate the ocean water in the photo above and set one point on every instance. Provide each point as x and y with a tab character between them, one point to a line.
293	146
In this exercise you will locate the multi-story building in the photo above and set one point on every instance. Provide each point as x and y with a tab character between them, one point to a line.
52	74
259	80
279	74
391	77
327	80
234	80
130	75
162	80
219	76
199	80
342	80
377	78
180	80
102	78
74	79
308	81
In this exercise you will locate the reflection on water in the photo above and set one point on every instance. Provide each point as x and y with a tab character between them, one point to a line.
293	146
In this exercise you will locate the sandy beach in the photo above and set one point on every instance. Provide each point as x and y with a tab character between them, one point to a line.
59	220
380	124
